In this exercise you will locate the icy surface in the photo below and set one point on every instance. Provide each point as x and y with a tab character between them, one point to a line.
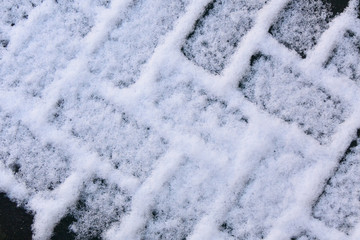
184	119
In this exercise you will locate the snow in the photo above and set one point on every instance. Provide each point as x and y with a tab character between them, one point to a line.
210	44
298	32
184	119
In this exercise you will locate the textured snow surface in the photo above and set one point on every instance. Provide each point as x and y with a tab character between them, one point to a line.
182	119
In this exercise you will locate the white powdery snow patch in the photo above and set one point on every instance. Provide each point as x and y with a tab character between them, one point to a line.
20	147
210	44
184	119
301	23
346	56
44	45
312	108
126	49
338	205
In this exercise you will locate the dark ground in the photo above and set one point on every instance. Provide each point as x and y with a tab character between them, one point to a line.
15	222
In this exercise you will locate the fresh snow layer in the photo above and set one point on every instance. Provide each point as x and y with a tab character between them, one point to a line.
219	30
183	119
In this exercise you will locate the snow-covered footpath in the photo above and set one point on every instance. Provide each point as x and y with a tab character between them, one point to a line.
183	119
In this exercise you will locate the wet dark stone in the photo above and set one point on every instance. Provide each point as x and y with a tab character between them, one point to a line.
337	6
304	235
256	57
225	227
154	214
62	231
25	15
15	222
4	43
15	167
198	22
353	144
